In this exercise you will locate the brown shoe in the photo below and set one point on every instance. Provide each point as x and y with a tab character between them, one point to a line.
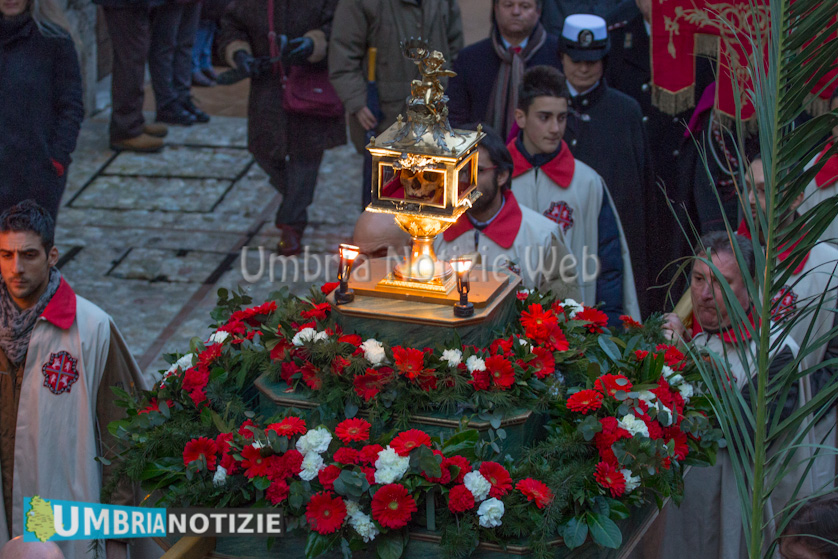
289	242
142	143
156	129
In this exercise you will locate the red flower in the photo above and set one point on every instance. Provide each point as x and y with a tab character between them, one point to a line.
369	472
535	490
328	287
310	376
227	461
367	386
210	354
352	339
480	380
461	463
537	322
611	384
521	295
501	346
640	354
347	455
277	492
672	356
369	454
610	478
629	322
595	318
392	506
281	350
254	464
319	312
325	514
353	430
556	340
500	371
427	381
409	361
674	433
293	462
460	499
196	448
327	476
244	431
288	427
408	440
339	364
610	434
584	401
544	363
195	379
445	473
498	477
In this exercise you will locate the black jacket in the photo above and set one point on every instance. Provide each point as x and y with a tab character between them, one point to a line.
41	113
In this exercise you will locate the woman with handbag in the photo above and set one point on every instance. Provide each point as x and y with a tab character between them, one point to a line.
42	109
293	113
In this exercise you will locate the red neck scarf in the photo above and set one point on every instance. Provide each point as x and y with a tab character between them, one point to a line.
502	230
828	175
560	169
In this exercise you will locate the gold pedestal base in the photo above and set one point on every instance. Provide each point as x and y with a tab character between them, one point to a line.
444	287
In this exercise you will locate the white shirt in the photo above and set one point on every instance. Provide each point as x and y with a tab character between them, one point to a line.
574	93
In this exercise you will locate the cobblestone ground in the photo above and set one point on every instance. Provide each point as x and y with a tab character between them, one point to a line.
151	238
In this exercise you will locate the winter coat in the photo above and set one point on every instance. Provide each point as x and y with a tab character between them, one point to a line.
554	12
272	133
384	24
41	113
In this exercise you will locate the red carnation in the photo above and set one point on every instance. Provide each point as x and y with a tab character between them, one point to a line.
353	430
674	433
408	440
281	350
325	514
584	401
611	384
610	478
537	323
521	295
369	454
310	376
327	476
409	361
640	354
498	477
461	463
369	473
277	492
460	499
339	364
347	455
392	506
610	434
556	339
501	346
500	371
544	363
367	386
480	380
244	431
595	318
254	464
293	460
535	490
195	379
629	322
352	339
196	448
672	356
319	312
328	287
210	354
288	427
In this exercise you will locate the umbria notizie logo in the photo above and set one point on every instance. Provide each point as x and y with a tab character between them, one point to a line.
51	520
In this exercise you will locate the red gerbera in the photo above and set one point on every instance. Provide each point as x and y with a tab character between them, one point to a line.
288	427
244	431
595	318
353	430
611	384
277	492
196	448
369	454
408	440
500	346
409	361
499	478
584	401
352	339
461	463
610	434
347	455
319	312
254	464
537	322
535	490
328	287
310	376
629	322
500	371
367	386
325	514
327	476
460	499
544	363
392	506
556	339
281	350
610	478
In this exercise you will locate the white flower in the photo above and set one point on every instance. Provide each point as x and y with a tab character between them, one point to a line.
490	513
632	482
571	307
218	338
312	463
373	351
453	356
183	363
390	467
478	485
351	507
364	525
686	389
671	376
633	425
524	342
258	445
304	335
646	396
525	292
316	440
665	415
220	477
474	363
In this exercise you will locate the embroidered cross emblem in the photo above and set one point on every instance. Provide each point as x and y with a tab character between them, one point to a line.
561	213
60	372
783	304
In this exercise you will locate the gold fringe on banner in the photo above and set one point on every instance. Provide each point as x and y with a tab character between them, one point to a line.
817	106
707	45
750	126
673	102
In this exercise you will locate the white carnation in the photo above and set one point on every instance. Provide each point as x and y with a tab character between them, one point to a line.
218	337
478	485
490	512
571	307
686	389
523	342
453	356
671	376
632	482
665	415
364	525
390	467
183	363
258	445
316	440
351	507
633	425
474	363
220	477
646	396
373	351
304	335
312	463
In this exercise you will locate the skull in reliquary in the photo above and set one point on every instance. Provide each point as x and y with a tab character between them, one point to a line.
422	185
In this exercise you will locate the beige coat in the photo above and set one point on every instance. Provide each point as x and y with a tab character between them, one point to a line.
383	24
814	196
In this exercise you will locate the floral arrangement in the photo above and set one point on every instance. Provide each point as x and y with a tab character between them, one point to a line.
626	415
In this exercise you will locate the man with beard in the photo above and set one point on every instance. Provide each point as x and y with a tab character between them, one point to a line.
506	234
490	71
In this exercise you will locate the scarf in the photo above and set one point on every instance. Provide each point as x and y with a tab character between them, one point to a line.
16	325
504	99
13	27
829	172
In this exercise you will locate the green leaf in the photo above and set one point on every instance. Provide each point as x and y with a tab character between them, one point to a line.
609	347
318	544
350	410
618	510
390	546
428	462
574	533
461	443
604	531
261	483
351	484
